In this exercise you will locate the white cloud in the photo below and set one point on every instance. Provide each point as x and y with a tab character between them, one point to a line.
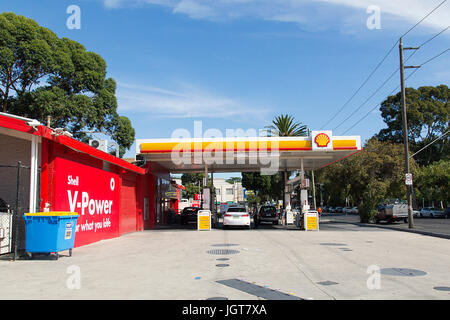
186	102
309	13
111	4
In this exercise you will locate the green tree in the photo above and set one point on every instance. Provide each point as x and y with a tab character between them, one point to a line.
190	191
42	75
428	118
285	126
192	178
232	180
267	187
252	198
433	182
374	174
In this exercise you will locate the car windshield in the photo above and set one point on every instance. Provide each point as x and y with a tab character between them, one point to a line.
237	210
268	210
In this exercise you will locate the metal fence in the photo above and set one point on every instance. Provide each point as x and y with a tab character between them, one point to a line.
5	231
14	202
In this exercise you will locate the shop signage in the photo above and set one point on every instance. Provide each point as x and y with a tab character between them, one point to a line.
322	140
92	193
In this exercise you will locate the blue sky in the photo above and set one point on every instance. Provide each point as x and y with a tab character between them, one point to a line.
238	63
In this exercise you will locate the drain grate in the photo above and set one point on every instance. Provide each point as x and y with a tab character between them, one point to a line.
442	288
222	265
345	249
222	259
256	290
222	251
224	245
332	244
217	298
402	272
327	283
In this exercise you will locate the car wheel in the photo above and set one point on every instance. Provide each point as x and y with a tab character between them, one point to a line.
420	215
405	220
431	215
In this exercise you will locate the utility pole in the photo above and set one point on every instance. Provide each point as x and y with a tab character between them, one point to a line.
405	130
313	190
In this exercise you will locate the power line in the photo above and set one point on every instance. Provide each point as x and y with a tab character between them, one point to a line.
361	86
389	78
429	13
380	63
438	138
424	63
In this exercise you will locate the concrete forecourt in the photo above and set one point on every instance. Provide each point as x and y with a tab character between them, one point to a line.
341	261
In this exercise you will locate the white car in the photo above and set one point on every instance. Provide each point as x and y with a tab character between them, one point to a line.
431	212
346	210
236	217
354	210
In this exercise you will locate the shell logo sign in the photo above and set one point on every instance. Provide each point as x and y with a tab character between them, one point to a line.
322	140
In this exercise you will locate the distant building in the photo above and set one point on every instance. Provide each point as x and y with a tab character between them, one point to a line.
225	192
228	192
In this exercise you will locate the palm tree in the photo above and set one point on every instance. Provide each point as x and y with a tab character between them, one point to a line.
285	126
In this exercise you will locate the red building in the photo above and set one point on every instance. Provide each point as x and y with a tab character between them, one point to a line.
59	173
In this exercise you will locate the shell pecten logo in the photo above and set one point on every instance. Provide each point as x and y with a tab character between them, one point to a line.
322	140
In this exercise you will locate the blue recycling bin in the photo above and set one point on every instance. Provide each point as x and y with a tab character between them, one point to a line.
47	232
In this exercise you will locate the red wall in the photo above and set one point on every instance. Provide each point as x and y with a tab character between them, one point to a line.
89	181
128	204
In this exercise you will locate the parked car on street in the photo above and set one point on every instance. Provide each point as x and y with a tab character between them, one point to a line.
267	214
236	216
416	213
447	212
392	212
346	210
431	212
354	210
338	209
189	214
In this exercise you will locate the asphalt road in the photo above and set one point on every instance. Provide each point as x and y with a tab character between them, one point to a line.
341	261
432	226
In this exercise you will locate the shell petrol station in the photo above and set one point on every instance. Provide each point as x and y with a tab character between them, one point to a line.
45	170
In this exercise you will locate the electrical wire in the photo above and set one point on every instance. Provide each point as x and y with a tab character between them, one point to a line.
421	65
380	63
389	78
438	138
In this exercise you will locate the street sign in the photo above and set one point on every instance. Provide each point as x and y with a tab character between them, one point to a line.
204	220
304	184
408	179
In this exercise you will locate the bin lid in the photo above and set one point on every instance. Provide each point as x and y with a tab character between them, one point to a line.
51	214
